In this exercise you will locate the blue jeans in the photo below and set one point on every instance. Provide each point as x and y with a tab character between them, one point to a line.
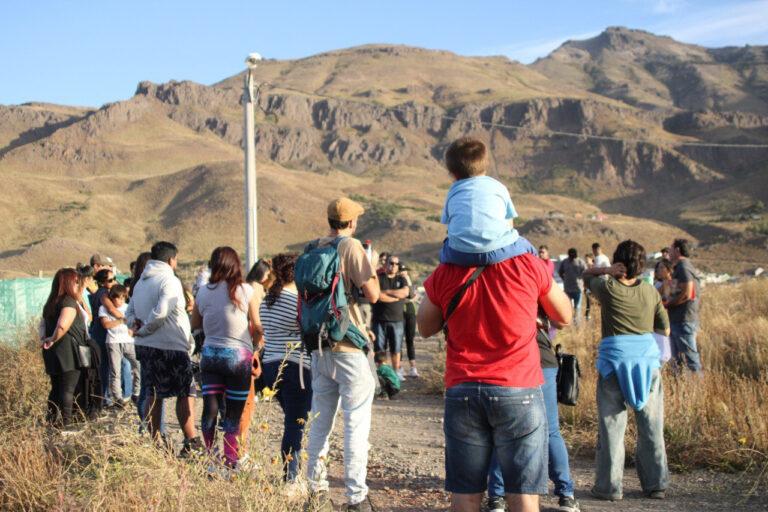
559	471
682	341
296	404
466	259
576	303
483	419
388	334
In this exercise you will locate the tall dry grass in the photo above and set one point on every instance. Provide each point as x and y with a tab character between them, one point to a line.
110	466
718	421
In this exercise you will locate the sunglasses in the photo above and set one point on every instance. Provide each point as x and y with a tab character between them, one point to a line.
393	263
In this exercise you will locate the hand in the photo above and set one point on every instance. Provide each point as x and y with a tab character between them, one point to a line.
47	343
617	270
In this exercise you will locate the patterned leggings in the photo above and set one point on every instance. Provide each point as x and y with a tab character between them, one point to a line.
226	376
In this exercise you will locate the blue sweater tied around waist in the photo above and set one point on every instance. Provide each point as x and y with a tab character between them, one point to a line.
632	358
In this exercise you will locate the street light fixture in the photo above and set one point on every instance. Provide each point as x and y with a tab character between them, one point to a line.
251	224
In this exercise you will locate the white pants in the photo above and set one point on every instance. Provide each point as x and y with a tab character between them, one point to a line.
340	378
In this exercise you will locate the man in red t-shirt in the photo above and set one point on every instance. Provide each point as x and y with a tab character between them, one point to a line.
493	376
544	255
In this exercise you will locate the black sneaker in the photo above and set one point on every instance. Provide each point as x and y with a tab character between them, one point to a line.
496	504
568	504
192	447
657	495
363	506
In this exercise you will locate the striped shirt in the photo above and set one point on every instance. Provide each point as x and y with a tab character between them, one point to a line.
281	327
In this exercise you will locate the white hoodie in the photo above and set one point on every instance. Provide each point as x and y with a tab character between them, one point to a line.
158	302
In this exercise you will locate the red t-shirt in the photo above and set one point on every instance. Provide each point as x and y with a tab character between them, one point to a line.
492	332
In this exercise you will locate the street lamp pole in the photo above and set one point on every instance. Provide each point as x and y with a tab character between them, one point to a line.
251	224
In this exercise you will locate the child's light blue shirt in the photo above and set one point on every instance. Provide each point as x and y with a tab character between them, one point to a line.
477	211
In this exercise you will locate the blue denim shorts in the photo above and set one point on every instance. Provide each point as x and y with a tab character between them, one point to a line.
481	418
388	335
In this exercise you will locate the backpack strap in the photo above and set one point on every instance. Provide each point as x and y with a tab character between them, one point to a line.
311	245
459	294
336	241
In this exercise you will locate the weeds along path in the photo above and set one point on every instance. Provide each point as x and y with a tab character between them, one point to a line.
406	465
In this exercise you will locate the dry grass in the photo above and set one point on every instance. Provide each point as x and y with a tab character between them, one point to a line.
719	421
110	466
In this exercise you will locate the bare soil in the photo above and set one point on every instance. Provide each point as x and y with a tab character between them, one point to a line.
406	464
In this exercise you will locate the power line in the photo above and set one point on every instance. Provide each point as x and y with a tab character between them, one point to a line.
399	108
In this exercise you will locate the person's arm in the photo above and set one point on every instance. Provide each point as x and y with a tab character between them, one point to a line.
430	318
66	317
371	289
616	270
661	319
166	302
400	293
386	298
557	306
107	303
108	324
130	318
686	292
255	320
561	270
196	319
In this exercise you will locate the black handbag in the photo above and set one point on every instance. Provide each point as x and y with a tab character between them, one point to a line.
83	354
567	377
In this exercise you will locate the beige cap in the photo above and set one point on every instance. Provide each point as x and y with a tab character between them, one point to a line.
344	209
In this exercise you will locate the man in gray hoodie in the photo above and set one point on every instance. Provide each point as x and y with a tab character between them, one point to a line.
162	332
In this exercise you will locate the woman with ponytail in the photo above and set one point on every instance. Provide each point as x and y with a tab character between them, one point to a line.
224	308
283	361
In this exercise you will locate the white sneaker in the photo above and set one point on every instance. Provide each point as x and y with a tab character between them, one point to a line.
413	372
401	373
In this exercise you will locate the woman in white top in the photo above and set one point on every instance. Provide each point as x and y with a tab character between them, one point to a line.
282	361
224	309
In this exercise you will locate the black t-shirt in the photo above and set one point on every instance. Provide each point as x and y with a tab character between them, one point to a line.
546	351
61	357
389	311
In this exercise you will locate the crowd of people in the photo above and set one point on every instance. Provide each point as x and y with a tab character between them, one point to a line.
316	331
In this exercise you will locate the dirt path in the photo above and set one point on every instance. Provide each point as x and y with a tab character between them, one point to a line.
406	469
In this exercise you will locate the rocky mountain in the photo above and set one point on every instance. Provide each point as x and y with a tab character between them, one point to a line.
654	72
374	122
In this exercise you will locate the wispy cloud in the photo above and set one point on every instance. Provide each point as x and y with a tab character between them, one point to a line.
728	24
531	50
667	6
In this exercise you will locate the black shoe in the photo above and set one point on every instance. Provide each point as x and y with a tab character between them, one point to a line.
496	504
657	495
568	504
192	447
363	506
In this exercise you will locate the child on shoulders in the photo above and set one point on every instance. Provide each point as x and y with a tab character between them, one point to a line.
478	211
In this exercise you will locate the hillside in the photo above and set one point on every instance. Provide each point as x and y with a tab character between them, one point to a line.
373	122
655	72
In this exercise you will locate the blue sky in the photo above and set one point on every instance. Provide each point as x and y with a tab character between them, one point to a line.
92	52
